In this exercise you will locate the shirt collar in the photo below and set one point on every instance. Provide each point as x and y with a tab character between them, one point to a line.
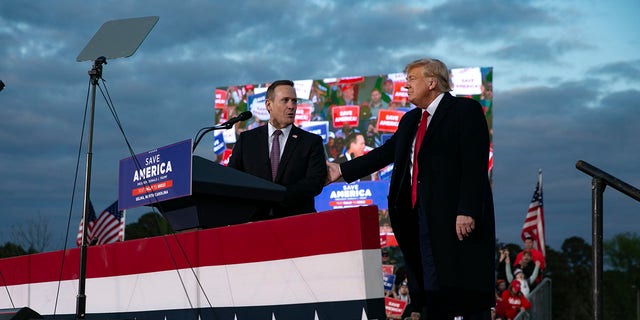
285	130
434	104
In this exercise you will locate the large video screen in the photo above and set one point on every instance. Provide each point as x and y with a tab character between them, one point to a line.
352	114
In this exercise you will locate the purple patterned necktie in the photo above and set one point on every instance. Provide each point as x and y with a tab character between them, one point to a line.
275	154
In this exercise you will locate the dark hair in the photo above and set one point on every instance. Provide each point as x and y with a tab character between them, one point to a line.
271	90
352	138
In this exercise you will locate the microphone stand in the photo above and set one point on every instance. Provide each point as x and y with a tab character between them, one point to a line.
95	74
201	133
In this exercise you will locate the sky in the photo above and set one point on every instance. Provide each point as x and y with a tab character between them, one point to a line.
566	81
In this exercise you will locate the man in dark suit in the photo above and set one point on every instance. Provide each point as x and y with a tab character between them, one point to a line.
445	225
300	168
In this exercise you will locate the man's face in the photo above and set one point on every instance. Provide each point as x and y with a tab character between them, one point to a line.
528	244
348	94
418	88
388	87
357	146
375	96
282	109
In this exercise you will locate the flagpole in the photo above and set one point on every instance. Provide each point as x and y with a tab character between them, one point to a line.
542	238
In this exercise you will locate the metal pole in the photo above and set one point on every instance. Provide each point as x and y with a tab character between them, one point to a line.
81	301
637	302
598	186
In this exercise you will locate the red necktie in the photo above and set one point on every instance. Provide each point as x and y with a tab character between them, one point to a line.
275	154
422	129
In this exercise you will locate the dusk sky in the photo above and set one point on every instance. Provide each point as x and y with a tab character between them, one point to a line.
566	79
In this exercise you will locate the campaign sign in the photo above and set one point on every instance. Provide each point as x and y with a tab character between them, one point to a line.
156	175
466	81
385	173
400	93
257	105
388	280
221	99
388	120
218	142
387	268
346	115
226	155
345	195
394	307
385	136
320	128
303	113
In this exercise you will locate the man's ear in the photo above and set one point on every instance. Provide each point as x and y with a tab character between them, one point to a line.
267	104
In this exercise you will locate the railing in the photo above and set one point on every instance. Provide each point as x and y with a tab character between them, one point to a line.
600	180
540	299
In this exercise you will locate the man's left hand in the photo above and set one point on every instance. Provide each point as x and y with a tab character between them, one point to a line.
464	226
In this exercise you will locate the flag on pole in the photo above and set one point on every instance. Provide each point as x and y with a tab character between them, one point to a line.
534	222
106	228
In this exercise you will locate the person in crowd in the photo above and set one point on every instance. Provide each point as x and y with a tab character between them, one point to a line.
363	118
373	137
387	87
527	265
355	145
283	153
335	146
527	283
403	292
513	302
500	268
345	131
535	253
501	286
376	103
440	200
349	95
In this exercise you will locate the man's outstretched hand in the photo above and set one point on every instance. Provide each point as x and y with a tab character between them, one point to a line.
333	172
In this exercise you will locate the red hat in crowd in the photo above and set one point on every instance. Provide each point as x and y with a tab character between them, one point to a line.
347	87
515	285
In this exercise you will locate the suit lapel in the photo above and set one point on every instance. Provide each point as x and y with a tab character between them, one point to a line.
262	149
436	120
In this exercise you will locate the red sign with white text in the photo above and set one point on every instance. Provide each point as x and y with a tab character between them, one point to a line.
221	99
303	113
394	307
399	91
345	115
388	120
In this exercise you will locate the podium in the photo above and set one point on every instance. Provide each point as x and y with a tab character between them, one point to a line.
323	265
221	196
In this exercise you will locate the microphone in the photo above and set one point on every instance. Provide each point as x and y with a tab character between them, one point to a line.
227	125
241	117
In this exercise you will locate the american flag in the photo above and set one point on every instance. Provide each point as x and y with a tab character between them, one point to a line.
534	222
107	228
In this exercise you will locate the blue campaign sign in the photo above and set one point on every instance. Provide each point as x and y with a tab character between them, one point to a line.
344	195
385	136
218	143
156	175
388	280
320	128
